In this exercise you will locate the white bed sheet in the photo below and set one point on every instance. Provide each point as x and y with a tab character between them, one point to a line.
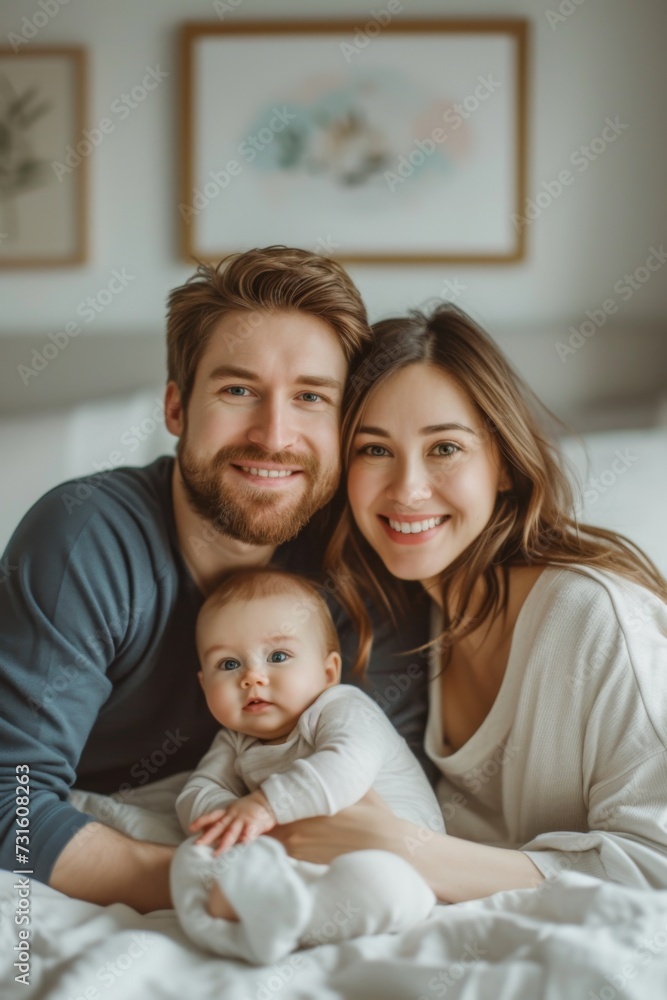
575	938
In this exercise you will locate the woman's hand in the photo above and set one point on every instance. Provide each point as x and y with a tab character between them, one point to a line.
369	824
455	869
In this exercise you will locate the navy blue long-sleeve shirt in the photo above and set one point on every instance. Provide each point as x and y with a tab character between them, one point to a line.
98	666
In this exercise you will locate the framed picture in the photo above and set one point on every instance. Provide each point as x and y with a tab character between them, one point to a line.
402	141
43	154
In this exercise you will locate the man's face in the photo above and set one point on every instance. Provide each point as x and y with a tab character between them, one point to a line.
259	446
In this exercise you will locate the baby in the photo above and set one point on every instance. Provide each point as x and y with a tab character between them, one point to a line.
295	744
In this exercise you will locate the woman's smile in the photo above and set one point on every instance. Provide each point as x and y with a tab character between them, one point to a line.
415	529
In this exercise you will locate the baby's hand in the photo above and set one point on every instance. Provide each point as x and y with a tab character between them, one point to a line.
240	822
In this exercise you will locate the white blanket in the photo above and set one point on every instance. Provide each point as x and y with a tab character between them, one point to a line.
577	938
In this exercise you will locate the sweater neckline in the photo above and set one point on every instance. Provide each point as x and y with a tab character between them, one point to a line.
498	721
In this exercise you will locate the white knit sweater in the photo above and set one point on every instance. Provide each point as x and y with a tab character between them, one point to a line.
570	765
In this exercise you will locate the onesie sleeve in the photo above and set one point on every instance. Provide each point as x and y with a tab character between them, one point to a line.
214	785
352	740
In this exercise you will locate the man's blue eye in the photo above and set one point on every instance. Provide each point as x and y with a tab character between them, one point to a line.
230	664
237	390
278	656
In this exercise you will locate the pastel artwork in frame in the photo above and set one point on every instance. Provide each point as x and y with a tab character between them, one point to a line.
407	146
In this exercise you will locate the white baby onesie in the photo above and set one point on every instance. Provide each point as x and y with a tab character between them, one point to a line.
342	746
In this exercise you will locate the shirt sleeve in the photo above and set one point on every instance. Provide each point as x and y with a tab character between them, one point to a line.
63	615
215	783
352	740
627	837
623	708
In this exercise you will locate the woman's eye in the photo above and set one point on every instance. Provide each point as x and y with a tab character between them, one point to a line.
445	450
311	397
374	450
278	656
229	664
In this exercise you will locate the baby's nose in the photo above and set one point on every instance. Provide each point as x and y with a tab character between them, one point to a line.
254	673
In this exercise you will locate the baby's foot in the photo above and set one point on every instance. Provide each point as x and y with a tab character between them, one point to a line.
218	905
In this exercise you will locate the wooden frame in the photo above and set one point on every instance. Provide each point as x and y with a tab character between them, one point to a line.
43	203
216	205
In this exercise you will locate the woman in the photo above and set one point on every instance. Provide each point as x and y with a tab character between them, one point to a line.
548	704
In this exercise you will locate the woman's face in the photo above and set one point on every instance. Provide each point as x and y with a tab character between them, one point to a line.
424	473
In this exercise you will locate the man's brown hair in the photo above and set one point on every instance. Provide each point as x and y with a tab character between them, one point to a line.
264	280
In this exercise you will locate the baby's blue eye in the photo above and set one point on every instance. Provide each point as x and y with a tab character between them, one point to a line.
278	656
229	664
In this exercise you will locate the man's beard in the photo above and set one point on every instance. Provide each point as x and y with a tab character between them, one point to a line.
248	513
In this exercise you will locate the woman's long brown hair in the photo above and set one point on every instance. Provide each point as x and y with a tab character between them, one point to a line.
533	521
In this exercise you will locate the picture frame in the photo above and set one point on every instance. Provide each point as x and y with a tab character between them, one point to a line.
402	142
43	165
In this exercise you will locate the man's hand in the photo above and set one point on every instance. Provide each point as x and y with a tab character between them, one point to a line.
242	821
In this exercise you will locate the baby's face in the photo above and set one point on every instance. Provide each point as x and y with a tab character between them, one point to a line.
262	666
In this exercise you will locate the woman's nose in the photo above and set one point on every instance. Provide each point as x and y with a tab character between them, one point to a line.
409	486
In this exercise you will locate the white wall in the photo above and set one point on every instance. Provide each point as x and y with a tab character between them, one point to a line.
605	59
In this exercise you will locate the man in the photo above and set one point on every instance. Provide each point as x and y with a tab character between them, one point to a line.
98	667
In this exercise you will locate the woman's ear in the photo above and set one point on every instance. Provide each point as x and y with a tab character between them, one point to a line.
504	482
200	675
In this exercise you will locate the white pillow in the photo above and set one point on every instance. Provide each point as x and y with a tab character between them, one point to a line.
39	452
622	478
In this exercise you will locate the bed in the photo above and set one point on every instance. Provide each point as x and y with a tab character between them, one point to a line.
575	937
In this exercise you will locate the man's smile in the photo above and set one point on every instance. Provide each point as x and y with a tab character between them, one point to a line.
268	474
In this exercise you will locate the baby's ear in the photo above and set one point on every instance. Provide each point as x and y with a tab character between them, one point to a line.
332	668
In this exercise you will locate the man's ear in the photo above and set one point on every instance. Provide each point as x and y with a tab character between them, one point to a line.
174	416
332	668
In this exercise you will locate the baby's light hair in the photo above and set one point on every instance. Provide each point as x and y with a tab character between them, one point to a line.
244	585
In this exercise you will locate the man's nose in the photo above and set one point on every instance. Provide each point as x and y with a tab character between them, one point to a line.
409	486
273	427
